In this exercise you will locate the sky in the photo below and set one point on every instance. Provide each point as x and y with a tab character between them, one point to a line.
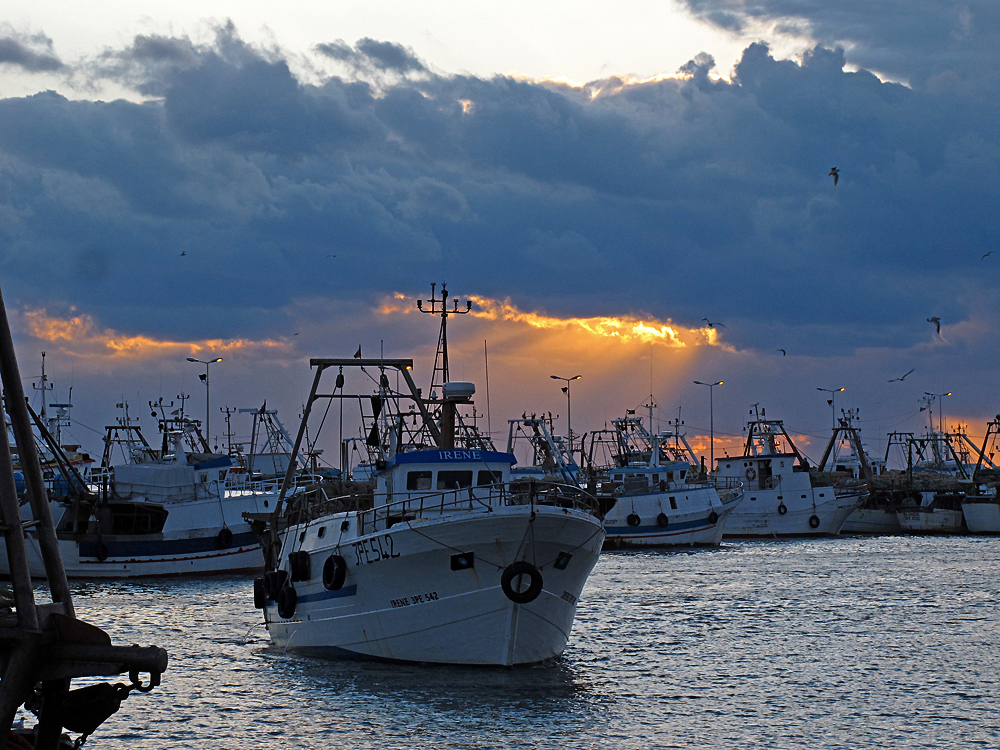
639	196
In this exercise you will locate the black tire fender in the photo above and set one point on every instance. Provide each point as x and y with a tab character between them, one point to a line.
515	570
713	518
259	598
287	599
224	539
101	552
334	573
274	581
300	565
782	510
633	519
814	522
662	520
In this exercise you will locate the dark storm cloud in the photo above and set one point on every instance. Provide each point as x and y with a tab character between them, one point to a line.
32	53
911	39
370	54
679	198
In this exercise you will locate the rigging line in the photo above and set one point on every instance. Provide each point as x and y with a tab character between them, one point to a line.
319	430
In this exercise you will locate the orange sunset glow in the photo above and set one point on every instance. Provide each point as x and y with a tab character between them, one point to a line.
80	336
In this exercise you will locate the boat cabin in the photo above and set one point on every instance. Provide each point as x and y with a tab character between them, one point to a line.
642	478
432	472
765	472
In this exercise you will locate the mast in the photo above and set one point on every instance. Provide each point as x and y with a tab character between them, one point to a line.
440	307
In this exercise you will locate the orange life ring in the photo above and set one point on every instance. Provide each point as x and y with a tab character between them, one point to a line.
751	473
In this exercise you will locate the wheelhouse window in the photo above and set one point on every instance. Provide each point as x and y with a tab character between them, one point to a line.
489	477
454	480
418	480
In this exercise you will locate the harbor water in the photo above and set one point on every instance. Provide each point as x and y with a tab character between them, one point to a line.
833	643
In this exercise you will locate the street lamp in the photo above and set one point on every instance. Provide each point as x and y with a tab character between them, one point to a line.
569	419
208	434
833	403
938	396
711	422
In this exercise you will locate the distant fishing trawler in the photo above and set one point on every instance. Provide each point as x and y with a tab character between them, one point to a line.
653	492
164	511
782	496
442	556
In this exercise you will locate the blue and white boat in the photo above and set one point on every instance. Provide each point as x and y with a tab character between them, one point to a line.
162	512
654	494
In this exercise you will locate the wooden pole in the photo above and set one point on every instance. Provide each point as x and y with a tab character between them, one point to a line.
31	467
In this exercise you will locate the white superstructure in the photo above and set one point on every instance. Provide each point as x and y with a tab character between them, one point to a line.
780	499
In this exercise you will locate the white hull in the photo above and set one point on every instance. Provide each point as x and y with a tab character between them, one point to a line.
403	600
982	517
189	544
699	519
821	512
872	521
935	521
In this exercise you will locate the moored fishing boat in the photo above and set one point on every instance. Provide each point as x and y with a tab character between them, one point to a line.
653	493
162	512
934	513
981	506
782	496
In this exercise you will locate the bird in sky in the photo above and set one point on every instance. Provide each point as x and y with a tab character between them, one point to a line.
835	173
183	253
987	255
782	352
331	256
937	323
713	325
901	378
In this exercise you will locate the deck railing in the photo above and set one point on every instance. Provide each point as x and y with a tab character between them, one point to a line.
313	502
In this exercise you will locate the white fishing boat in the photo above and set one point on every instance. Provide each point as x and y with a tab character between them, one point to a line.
653	493
442	558
982	512
981	506
781	496
162	512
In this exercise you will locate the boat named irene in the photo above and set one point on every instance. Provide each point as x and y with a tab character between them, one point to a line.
440	557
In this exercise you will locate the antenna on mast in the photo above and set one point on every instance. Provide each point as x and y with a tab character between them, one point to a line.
440	375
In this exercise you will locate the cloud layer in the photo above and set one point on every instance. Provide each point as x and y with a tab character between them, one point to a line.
251	181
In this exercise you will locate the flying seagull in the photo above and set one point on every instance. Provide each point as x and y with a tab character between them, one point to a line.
183	253
711	324
782	352
835	173
901	378
937	323
987	255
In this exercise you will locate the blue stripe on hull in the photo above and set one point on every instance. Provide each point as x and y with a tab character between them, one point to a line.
320	596
701	523
139	547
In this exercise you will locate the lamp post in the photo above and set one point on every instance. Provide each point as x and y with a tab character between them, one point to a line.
208	434
569	418
711	422
938	396
833	403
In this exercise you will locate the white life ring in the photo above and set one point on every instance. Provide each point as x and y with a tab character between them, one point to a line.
751	473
